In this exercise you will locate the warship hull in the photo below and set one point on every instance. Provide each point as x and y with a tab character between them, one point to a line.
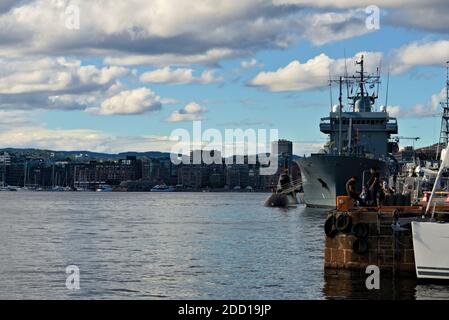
324	176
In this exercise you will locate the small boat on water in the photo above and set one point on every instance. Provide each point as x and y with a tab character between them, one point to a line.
60	189
104	188
10	188
162	188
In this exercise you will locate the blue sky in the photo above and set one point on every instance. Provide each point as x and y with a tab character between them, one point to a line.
131	73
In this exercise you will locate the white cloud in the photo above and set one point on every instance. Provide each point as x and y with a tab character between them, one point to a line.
306	148
210	56
163	32
191	112
296	76
9	118
80	139
328	27
248	64
430	109
54	75
21	129
359	3
129	102
175	32
430	15
55	83
313	74
178	76
432	53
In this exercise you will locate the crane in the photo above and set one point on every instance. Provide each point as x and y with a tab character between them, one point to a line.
414	139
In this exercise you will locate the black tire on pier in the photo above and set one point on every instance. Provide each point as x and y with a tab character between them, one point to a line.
343	222
329	227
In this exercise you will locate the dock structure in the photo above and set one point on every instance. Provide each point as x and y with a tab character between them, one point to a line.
381	236
371	240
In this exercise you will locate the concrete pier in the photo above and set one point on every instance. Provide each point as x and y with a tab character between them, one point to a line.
371	239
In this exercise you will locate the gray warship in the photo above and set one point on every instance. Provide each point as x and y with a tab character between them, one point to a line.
359	139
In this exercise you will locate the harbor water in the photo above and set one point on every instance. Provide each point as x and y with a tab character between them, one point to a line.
173	246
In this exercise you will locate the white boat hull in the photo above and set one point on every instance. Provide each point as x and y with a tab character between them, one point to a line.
431	247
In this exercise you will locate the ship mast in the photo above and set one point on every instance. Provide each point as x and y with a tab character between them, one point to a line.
340	99
358	98
362	83
444	131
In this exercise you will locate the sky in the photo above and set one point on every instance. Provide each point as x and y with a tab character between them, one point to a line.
116	76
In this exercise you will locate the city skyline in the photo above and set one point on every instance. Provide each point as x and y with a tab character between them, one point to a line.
70	171
125	75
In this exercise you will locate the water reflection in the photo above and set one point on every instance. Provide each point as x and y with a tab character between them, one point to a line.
161	246
351	286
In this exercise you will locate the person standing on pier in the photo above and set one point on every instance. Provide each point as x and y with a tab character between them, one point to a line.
374	187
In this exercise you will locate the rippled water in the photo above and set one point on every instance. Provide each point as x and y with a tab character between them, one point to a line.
171	246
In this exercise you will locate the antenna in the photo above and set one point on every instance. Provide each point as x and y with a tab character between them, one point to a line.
444	131
330	89
379	71
346	74
362	81
340	108
447	83
388	88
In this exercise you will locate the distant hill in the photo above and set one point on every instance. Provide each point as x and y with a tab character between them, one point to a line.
62	155
47	154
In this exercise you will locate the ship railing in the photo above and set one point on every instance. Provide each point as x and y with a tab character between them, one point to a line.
293	186
418	186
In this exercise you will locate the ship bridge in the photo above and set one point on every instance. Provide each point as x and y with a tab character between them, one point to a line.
361	133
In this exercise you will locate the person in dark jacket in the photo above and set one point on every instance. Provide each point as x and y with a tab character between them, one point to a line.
374	187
